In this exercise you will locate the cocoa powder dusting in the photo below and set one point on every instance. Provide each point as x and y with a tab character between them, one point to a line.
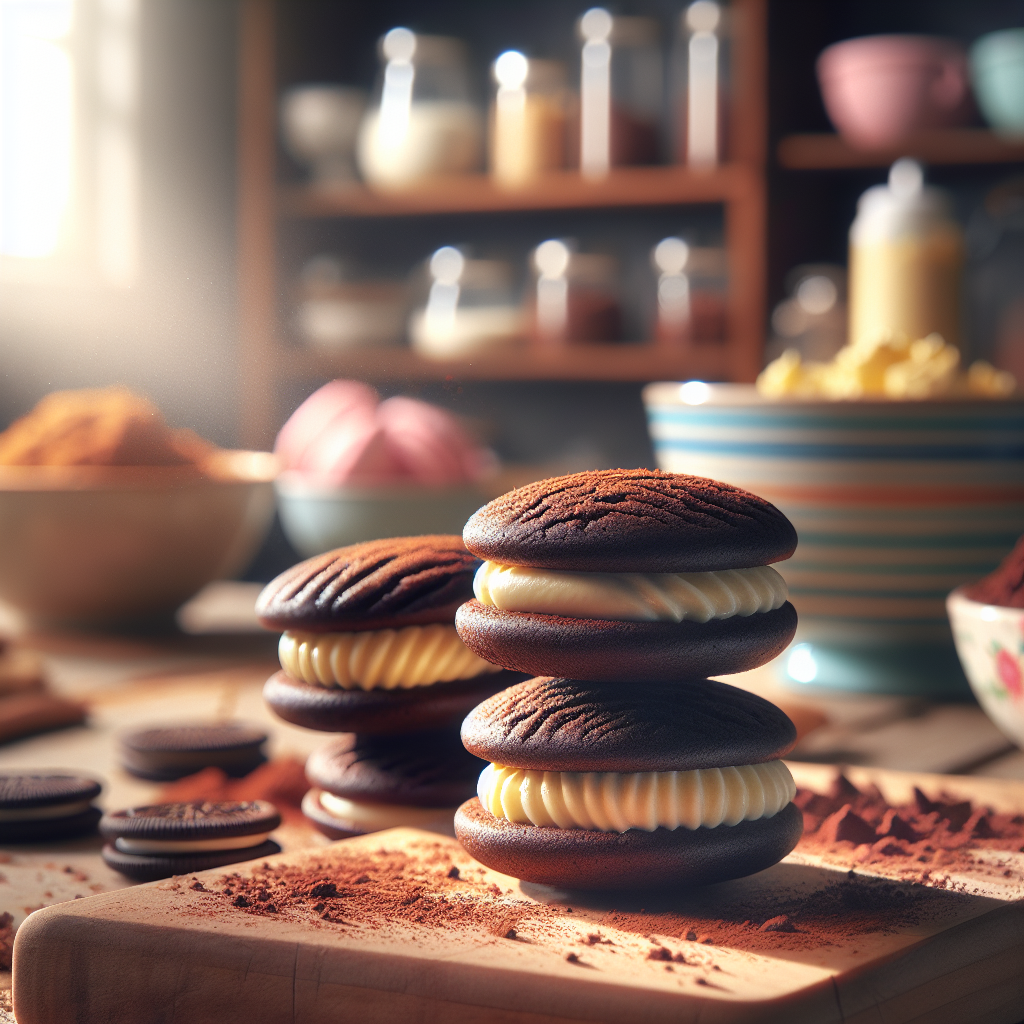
805	906
908	842
1005	586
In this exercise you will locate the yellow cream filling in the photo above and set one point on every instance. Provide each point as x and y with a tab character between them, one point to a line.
631	596
385	659
371	817
615	802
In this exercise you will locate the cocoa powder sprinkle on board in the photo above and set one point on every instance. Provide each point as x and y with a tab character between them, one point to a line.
426	887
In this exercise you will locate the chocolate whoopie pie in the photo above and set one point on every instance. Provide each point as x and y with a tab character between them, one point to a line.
596	785
147	843
628	575
369	642
46	806
166	753
367	783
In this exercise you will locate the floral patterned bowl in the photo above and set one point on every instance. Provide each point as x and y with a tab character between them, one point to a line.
990	642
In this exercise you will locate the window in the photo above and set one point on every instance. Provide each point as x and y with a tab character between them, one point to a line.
69	153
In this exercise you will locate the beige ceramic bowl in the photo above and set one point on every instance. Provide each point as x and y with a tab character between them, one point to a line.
99	545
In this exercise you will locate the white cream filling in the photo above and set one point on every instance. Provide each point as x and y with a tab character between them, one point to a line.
631	596
385	659
615	802
370	817
43	813
150	846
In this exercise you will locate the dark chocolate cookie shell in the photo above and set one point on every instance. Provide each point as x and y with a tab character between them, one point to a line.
50	830
617	650
197	819
25	790
575	858
152	867
421	770
380	584
172	752
630	520
565	725
380	712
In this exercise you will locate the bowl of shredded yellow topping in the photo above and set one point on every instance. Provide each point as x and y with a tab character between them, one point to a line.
903	473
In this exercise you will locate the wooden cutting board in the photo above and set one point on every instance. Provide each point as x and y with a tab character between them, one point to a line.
420	932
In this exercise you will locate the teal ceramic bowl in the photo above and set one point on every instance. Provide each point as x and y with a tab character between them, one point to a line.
997	72
317	518
895	504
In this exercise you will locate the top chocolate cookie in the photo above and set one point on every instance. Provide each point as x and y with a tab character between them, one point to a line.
379	584
630	520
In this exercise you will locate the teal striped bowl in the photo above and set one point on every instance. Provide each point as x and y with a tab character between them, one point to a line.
895	503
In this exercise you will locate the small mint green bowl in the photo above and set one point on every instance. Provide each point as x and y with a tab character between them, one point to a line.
997	73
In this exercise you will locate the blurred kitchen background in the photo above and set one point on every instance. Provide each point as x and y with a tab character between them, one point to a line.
226	204
428	252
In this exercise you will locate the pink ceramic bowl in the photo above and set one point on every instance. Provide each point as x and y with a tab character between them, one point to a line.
879	89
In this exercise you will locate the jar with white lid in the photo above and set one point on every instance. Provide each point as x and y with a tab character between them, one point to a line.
906	261
424	123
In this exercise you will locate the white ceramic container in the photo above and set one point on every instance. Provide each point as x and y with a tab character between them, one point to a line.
990	643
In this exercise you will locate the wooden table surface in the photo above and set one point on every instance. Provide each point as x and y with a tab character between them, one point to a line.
216	671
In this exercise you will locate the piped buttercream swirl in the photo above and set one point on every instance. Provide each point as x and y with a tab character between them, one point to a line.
385	659
631	596
617	801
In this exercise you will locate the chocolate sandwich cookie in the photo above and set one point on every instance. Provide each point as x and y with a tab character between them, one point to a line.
366	783
147	843
370	644
605	786
44	806
380	712
167	753
628	575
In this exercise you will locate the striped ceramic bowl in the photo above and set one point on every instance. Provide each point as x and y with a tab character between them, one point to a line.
895	503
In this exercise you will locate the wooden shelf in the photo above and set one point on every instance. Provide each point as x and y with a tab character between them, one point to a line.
625	187
948	146
594	362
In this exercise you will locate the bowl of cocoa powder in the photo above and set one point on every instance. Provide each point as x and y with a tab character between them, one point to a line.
110	516
988	627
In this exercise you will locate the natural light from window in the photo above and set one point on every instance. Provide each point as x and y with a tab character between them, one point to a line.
36	125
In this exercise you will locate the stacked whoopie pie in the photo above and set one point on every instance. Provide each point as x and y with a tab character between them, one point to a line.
622	765
369	649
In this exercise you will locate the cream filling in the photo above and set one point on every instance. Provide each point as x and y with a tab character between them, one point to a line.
43	813
149	846
631	596
369	817
384	659
615	802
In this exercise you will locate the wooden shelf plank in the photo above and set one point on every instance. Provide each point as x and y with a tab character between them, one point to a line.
948	146
477	193
593	362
